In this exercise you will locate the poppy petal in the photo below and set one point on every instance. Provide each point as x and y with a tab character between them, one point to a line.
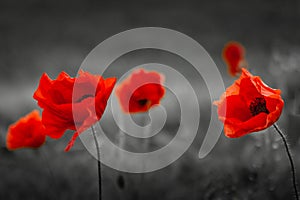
58	102
28	131
250	105
140	91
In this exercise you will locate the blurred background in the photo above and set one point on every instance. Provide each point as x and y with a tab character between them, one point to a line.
54	36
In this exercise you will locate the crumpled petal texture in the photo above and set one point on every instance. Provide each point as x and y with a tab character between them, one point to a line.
58	102
234	106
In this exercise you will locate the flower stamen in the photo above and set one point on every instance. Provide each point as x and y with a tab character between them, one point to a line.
258	106
143	102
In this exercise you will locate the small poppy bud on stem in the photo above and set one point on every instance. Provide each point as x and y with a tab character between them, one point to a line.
121	182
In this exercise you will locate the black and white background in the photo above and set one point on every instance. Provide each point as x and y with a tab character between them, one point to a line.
53	36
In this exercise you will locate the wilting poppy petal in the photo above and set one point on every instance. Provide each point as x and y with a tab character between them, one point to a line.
27	132
56	99
234	56
248	105
140	91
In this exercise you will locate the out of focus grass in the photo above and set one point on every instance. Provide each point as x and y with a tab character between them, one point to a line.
253	167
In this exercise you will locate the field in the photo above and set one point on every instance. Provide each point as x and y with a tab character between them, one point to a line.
52	36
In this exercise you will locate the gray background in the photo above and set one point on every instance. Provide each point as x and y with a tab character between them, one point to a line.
51	36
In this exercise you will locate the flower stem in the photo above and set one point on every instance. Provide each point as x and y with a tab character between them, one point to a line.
145	146
290	159
121	183
99	163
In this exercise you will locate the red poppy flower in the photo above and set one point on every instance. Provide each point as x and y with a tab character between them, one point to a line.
234	56
140	91
58	103
27	132
248	105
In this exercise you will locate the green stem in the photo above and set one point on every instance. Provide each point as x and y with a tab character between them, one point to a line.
290	159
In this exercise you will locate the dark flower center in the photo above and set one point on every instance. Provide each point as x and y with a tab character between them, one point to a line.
258	105
142	102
